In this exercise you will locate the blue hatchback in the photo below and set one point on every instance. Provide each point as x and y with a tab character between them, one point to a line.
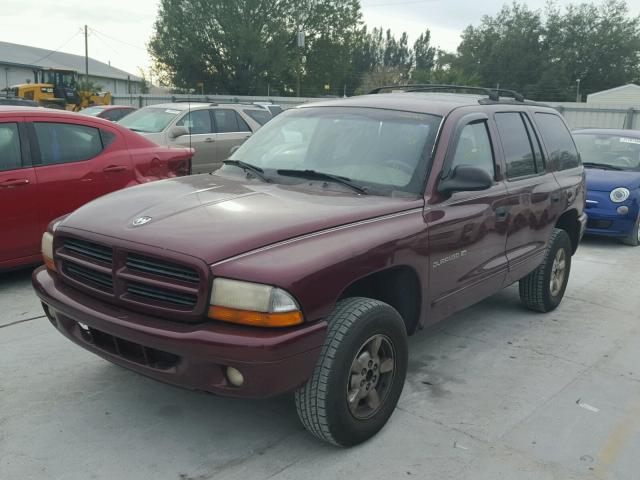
612	162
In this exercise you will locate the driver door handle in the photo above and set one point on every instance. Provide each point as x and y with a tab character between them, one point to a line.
114	168
15	182
209	140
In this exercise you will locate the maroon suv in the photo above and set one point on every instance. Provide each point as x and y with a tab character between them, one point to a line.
333	233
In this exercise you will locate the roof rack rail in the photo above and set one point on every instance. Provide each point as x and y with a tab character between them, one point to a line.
188	100
494	94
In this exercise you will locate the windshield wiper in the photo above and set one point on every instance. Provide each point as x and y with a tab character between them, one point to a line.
138	130
315	175
247	167
603	166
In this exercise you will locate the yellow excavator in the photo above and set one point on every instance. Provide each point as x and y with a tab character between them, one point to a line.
57	88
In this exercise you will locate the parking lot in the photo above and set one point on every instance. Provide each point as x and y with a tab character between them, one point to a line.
494	392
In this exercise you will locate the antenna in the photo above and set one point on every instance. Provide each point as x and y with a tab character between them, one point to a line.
190	121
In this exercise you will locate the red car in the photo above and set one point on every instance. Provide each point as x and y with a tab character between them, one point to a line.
108	112
52	162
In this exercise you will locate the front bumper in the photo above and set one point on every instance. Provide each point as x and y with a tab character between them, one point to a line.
193	356
604	218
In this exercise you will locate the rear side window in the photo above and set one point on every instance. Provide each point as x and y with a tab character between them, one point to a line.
560	147
197	122
9	147
107	138
535	144
228	121
474	148
66	142
516	145
260	116
113	115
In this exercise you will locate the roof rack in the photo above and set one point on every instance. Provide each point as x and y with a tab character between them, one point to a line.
494	94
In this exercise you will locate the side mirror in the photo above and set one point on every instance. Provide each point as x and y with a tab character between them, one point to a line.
176	131
466	178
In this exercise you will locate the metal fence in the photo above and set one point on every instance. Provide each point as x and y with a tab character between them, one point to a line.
578	115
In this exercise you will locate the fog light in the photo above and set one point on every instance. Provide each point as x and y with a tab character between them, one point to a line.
623	210
235	377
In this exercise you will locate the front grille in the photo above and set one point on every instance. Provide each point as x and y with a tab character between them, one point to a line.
166	288
601	224
90	251
161	268
162	294
96	279
134	352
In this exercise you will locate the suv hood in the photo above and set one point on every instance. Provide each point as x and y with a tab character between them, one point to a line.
607	180
214	217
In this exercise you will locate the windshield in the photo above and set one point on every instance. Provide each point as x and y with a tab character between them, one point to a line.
92	111
384	150
149	119
609	150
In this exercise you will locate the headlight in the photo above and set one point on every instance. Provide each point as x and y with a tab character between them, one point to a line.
619	195
253	304
47	251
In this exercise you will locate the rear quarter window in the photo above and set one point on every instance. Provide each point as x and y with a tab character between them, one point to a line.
561	150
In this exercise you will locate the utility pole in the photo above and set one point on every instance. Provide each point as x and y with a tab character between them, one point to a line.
86	55
578	91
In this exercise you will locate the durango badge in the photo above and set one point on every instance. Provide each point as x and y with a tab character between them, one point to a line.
141	221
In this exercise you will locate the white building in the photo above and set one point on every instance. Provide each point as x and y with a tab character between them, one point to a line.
18	64
624	95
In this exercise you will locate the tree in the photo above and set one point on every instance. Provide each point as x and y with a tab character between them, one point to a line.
598	45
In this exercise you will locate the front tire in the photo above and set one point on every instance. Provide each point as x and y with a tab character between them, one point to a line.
542	290
634	237
359	376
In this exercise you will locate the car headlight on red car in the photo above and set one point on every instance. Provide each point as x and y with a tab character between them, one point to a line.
254	304
619	195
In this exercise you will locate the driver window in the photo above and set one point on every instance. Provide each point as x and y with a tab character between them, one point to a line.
474	148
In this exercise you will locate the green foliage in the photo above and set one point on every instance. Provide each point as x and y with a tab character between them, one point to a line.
249	47
83	85
544	56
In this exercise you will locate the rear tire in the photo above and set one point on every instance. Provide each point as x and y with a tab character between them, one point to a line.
359	376
542	290
634	238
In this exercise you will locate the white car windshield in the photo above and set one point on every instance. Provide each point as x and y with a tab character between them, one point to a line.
378	149
608	150
149	119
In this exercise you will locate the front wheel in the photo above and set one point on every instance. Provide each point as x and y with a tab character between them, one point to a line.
359	376
542	290
634	237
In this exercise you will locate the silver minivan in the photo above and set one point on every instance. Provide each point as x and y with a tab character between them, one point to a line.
212	129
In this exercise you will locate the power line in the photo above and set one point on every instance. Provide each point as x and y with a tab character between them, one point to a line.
118	40
57	50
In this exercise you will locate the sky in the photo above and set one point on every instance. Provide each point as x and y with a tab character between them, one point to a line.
120	29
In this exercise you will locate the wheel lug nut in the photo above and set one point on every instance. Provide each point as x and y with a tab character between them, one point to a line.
375	366
364	371
370	363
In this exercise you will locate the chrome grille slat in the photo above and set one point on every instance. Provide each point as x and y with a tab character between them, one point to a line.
91	250
99	278
161	268
162	294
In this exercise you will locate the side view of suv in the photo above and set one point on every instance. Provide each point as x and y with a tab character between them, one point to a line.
335	232
212	129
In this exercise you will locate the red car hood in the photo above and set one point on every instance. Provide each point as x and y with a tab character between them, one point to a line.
214	217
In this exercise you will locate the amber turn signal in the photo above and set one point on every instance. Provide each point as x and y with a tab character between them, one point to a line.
47	251
256	319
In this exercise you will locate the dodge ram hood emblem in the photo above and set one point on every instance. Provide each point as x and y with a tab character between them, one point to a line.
141	221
